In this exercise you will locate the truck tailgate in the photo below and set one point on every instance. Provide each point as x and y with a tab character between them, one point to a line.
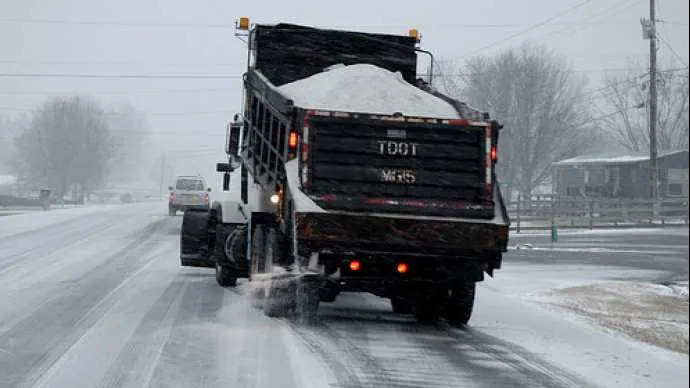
398	166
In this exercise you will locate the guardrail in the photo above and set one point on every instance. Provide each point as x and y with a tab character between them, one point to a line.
545	212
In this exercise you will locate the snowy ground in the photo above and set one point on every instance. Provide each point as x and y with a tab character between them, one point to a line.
652	313
95	297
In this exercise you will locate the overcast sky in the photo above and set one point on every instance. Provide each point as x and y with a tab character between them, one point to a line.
174	37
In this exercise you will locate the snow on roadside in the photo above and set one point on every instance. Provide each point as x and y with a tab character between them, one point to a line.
20	223
365	88
651	313
680	288
518	247
682	230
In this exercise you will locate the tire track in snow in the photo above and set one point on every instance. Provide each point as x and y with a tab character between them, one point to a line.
31	346
44	256
188	358
368	349
61	239
137	360
34	279
365	349
345	360
539	370
45	228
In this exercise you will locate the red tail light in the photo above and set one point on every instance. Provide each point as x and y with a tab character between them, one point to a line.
292	140
402	268
462	122
494	154
355	265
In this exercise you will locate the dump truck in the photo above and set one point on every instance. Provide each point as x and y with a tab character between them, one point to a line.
351	173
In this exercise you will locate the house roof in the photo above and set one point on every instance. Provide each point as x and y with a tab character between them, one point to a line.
615	158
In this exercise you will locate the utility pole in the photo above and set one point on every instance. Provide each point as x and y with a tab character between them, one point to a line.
649	32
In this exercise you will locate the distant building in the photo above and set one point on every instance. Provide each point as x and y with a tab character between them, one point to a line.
620	175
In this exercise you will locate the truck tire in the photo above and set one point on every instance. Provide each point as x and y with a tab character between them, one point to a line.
257	292
458	310
425	307
194	250
307	300
225	276
258	251
401	305
277	301
226	272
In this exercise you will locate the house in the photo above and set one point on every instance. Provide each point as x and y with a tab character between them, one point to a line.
621	175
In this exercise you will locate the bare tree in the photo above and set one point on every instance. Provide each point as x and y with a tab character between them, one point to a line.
538	99
5	144
130	133
627	97
66	146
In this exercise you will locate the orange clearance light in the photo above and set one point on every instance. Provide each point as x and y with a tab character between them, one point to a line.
243	23
355	265
414	33
402	268
292	140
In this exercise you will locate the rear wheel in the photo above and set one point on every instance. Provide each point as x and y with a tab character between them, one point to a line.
307	300
401	305
278	295
258	252
225	276
194	245
257	290
226	271
424	308
458	309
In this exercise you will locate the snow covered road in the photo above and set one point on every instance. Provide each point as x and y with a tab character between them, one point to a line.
95	297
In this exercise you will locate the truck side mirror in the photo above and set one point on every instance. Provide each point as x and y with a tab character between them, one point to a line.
224	167
226	181
233	137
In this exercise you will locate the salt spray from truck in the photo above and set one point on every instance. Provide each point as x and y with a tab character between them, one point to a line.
355	175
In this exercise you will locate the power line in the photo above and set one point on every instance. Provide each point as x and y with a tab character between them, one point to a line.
106	23
118	76
190	113
670	48
672	23
201	76
531	27
599	15
154	92
476	73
